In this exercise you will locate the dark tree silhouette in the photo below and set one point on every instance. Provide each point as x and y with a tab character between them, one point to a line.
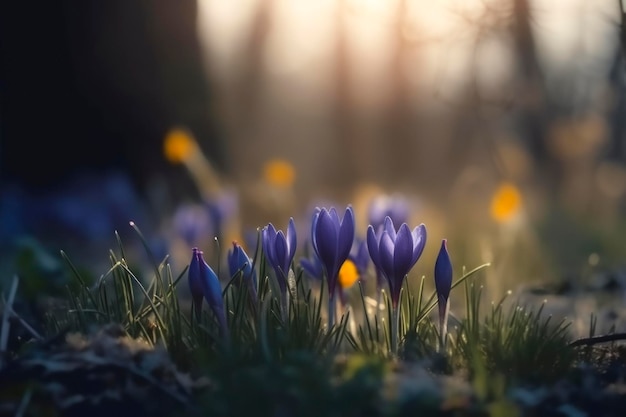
89	86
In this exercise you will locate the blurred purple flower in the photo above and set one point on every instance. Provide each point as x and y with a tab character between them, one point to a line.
313	267
395	206
192	223
360	256
221	209
90	207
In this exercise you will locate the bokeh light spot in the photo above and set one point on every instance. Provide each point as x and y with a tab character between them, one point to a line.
506	202
279	172
348	274
178	145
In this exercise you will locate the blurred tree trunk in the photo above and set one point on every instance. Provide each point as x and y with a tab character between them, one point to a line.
93	86
399	134
242	94
617	80
343	172
534	110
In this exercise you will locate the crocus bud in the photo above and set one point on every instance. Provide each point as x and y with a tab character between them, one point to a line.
443	284
212	290
240	263
202	276
195	285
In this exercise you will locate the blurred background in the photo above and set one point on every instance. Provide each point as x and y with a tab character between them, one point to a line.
500	122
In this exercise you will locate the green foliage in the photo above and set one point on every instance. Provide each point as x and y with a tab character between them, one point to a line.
151	311
517	342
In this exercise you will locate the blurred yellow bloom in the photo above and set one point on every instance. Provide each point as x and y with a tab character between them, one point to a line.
179	145
348	274
506	202
279	172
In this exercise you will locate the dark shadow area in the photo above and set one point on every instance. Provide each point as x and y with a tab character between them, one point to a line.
88	87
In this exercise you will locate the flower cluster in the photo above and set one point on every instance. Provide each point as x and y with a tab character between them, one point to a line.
340	258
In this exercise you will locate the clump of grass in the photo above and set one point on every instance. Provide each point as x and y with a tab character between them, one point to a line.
146	308
517	341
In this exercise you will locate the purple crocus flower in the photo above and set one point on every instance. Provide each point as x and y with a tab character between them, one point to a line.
191	222
395	253
280	249
221	208
332	241
443	284
398	208
360	256
202	277
240	263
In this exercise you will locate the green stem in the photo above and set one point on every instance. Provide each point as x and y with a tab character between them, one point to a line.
284	307
443	323
395	322
332	305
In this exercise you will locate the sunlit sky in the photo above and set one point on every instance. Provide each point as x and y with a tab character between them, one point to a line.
300	42
427	50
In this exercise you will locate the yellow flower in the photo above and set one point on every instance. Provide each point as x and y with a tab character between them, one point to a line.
279	172
506	202
348	274
179	145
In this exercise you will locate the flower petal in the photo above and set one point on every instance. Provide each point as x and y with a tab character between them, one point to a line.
373	247
386	255
269	236
390	228
316	216
326	235
360	256
334	216
210	285
403	253
313	268
346	235
291	239
419	241
282	252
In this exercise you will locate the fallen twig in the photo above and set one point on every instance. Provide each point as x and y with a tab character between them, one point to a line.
594	340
